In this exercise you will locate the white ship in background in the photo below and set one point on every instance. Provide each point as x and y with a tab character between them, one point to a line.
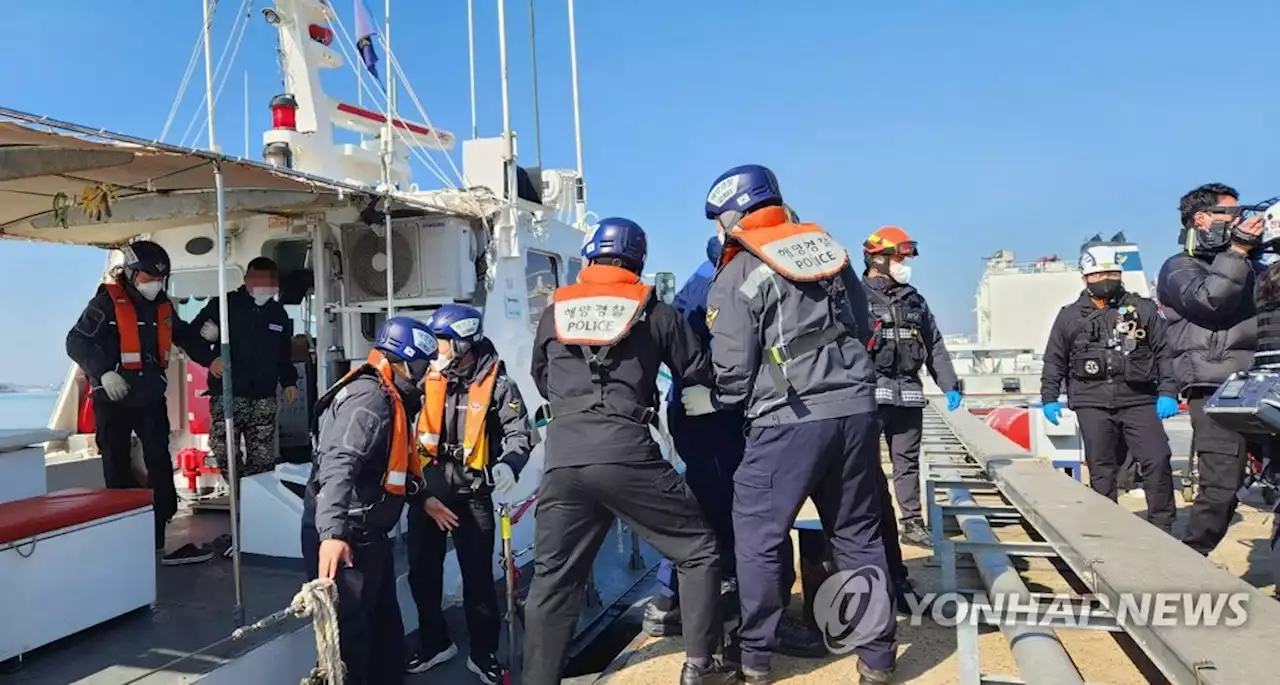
1015	308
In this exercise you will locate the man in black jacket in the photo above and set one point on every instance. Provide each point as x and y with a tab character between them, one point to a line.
261	359
123	341
1110	348
1207	292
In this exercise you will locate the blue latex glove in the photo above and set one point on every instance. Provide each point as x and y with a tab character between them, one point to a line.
954	398
1053	412
1166	407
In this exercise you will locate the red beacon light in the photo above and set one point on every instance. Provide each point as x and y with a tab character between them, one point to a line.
284	112
321	34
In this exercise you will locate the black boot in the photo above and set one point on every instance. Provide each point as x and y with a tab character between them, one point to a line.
715	674
912	531
796	639
873	676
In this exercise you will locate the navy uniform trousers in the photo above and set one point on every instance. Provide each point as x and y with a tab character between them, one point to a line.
576	508
712	447
834	461
370	631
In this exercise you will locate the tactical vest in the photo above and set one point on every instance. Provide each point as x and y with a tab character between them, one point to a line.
1110	343
897	342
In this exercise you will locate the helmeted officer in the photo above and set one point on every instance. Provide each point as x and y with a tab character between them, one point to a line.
905	338
711	446
364	466
596	357
123	341
474	436
1109	347
789	327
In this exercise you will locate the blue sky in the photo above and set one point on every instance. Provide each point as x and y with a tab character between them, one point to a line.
975	125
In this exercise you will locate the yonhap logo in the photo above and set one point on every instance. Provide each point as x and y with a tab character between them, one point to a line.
853	608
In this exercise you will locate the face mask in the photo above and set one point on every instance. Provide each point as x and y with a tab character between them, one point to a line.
441	362
150	290
261	295
417	370
899	272
1106	289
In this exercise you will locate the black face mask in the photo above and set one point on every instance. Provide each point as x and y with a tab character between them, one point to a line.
1105	289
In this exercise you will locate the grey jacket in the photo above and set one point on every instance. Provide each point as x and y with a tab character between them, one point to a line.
345	496
905	338
1209	304
752	309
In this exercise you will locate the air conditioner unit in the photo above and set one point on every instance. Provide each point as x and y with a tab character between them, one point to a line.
433	262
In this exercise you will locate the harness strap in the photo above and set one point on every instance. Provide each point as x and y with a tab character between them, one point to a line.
576	405
778	355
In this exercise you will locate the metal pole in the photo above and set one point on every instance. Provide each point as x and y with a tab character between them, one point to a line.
224	332
388	156
533	61
507	134
208	70
246	114
1037	651
581	190
471	59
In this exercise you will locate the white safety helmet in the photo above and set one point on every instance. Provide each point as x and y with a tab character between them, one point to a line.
1100	259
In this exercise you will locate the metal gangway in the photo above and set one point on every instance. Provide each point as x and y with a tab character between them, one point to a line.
1110	555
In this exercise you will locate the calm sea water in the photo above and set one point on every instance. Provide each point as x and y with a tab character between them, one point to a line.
26	409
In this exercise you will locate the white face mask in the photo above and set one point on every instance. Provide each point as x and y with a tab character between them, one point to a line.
441	362
261	295
899	272
150	290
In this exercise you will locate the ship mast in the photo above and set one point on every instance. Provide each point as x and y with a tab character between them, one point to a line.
581	189
388	150
224	329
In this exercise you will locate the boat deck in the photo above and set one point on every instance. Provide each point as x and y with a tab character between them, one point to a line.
185	635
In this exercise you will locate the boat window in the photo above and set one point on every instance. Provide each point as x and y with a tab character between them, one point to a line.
542	277
201	282
574	266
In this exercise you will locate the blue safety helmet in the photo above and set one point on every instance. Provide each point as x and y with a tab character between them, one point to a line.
459	324
407	340
715	247
742	190
620	239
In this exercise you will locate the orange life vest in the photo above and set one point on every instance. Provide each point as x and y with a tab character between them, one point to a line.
399	464
475	439
600	309
797	252
128	324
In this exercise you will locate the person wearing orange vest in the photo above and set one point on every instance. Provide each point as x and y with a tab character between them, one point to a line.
474	437
363	468
789	330
123	342
596	357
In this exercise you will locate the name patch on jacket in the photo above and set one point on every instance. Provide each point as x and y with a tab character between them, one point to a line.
596	320
276	327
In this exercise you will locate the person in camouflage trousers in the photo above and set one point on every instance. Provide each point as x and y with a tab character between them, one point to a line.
255	425
261	361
